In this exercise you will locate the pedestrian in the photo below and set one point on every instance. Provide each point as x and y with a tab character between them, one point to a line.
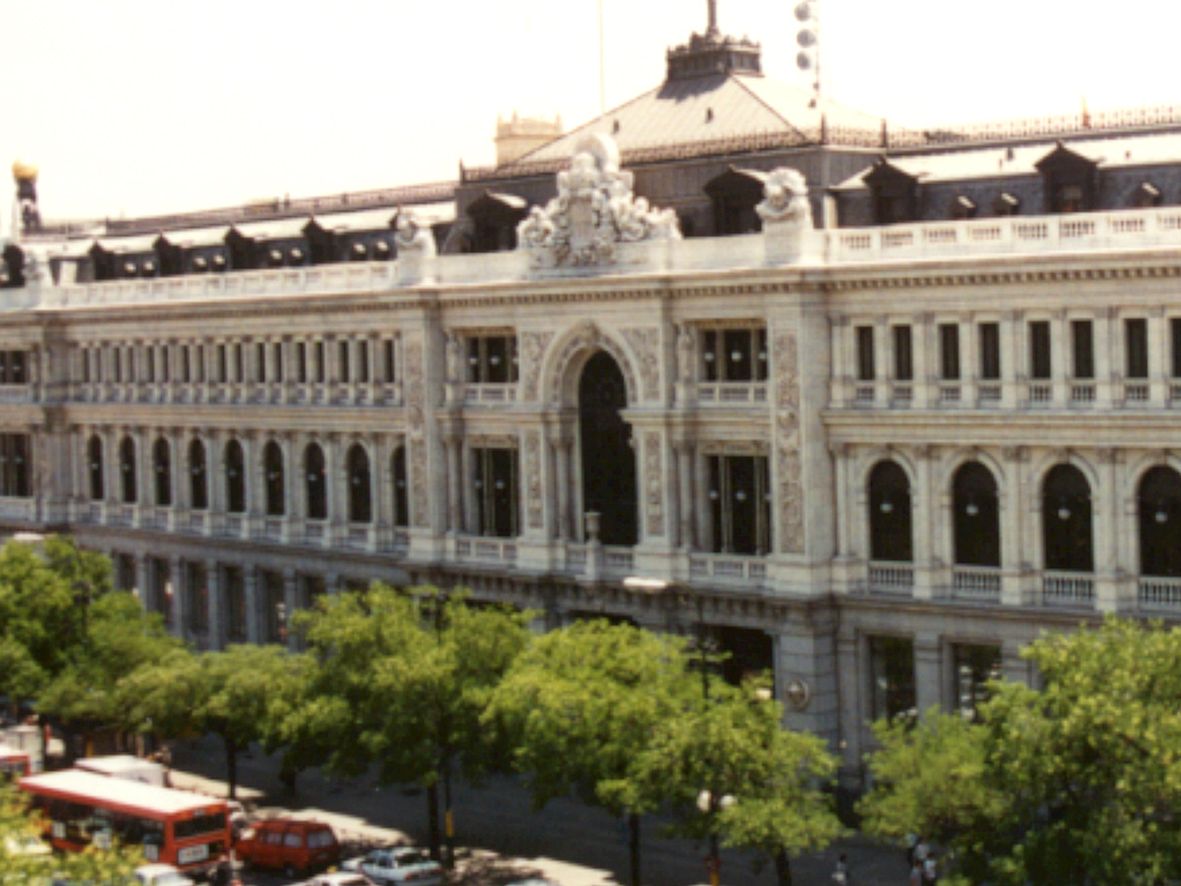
840	874
916	874
930	874
921	850
911	840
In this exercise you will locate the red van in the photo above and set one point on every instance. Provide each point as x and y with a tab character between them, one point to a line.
294	846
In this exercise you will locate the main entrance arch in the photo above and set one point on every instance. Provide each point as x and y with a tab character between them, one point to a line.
608	461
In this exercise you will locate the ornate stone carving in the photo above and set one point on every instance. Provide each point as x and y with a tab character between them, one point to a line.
414	388
594	210
533	486
653	483
454	358
785	197
645	344
418	477
411	238
533	347
686	352
787	430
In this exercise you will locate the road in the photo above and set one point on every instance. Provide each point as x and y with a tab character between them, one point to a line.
574	844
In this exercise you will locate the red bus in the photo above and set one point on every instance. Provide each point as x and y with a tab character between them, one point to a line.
13	763
177	827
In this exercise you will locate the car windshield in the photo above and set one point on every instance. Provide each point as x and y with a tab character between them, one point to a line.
410	856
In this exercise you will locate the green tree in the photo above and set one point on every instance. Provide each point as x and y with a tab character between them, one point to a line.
1076	782
580	701
45	591
18	823
118	637
402	681
730	772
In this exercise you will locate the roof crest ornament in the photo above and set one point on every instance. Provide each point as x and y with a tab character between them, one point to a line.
595	210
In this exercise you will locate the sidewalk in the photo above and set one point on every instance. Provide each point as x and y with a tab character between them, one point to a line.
567	842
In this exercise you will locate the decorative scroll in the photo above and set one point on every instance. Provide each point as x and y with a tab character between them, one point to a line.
645	344
533	345
787	430
653	483
533	486
594	211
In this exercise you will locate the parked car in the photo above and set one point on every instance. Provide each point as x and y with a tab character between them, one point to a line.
296	847
338	879
394	865
160	875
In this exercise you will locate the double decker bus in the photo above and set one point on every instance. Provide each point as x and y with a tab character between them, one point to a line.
13	762
181	828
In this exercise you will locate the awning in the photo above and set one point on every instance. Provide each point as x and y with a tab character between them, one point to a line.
274	229
194	237
129	245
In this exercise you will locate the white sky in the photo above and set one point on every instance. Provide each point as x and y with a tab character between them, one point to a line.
143	106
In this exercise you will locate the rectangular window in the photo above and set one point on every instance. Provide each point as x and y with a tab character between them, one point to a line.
497	507
739	500
390	371
239	363
401	490
197	592
865	369
1175	329
277	361
903	356
117	364
1136	347
492	359
260	362
199	368
129	355
165	364
363	362
321	369
85	366
161	578
1039	349
949	351
891	666
345	375
223	373
14	466
974	667
1082	346
734	354
314	587
274	607
149	364
990	351
235	597
301	362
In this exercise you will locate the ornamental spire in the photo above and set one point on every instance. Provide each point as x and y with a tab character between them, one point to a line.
712	30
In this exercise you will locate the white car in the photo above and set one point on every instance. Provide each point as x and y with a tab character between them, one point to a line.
396	865
347	879
160	875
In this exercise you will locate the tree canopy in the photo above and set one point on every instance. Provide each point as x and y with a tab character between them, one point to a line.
1078	781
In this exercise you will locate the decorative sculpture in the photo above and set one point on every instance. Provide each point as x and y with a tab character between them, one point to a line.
785	198
410	237
595	209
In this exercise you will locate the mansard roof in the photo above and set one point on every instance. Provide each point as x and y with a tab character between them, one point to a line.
722	108
1008	161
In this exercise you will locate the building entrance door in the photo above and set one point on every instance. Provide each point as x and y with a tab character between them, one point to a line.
608	462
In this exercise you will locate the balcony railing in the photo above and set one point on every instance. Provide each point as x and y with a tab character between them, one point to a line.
750	570
1160	593
891	578
732	393
490	393
1068	589
489	550
980	584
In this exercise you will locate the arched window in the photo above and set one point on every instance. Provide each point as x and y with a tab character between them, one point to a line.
127	470
235	465
1158	502
198	476
272	466
1066	520
313	465
975	516
401	490
889	513
360	504
94	467
162	471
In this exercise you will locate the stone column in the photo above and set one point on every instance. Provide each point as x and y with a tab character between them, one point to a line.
925	509
452	442
253	607
217	613
970	368
1060	368
1158	357
684	503
926	392
1107	366
928	671
1015	556
563	443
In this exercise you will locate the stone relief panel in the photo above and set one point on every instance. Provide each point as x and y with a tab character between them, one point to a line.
785	353
533	347
533	485
415	387
645	344
653	484
419	506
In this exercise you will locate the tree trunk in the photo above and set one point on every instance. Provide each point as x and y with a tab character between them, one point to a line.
432	814
232	766
782	868
448	819
633	846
